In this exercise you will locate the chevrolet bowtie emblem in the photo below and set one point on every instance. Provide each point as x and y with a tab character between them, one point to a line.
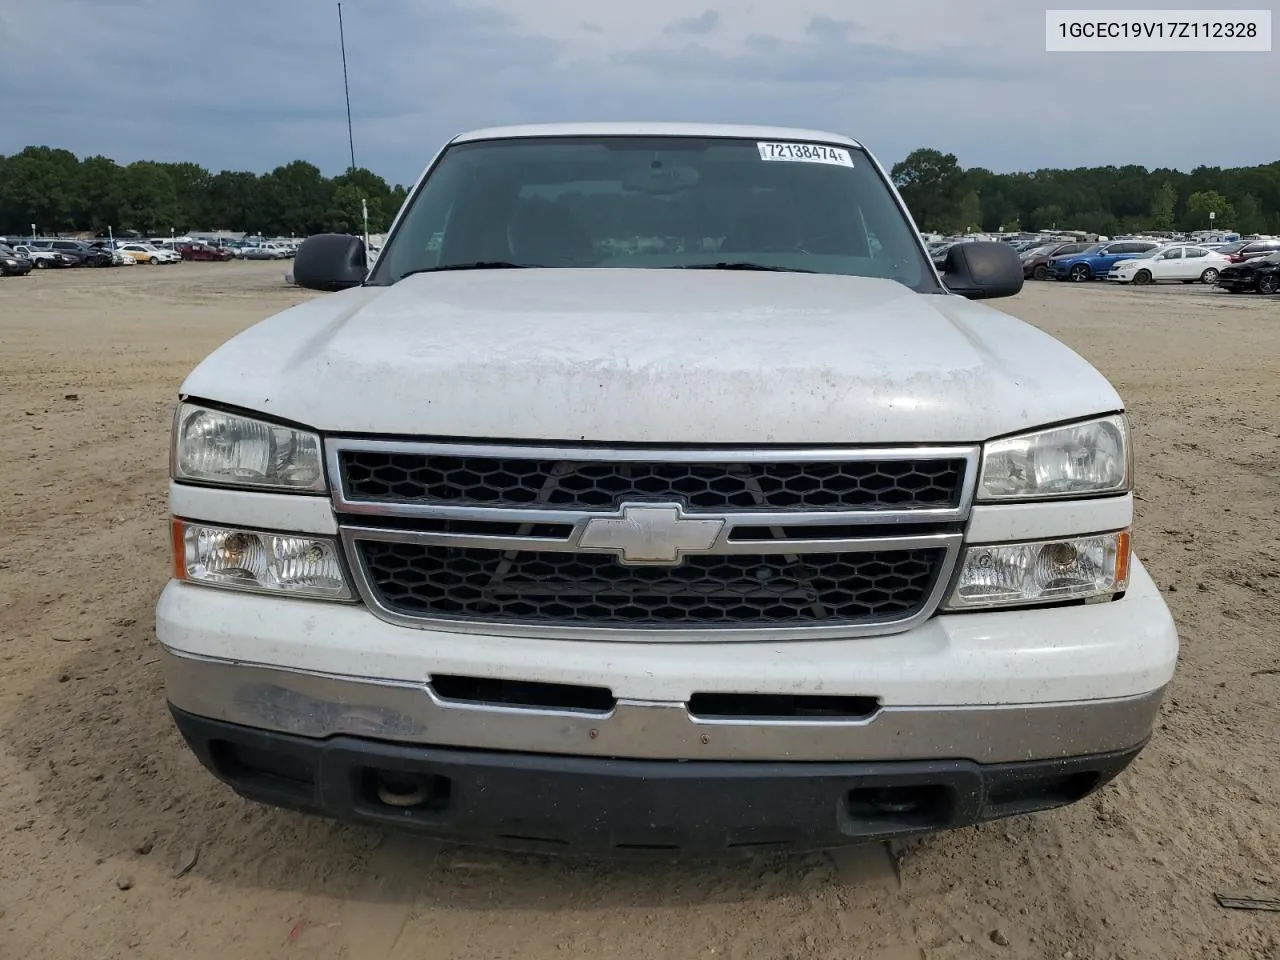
650	533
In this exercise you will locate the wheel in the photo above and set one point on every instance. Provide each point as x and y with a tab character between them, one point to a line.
1080	273
42	264
1209	276
1269	284
154	261
1041	272
1142	277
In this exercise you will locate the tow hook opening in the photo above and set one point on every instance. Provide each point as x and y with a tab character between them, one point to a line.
920	806
407	791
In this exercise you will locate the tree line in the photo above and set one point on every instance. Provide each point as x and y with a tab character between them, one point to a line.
947	198
59	192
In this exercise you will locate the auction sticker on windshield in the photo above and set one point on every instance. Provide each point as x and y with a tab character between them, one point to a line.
804	153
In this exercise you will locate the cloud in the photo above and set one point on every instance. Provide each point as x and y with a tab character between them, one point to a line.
705	23
166	80
826	56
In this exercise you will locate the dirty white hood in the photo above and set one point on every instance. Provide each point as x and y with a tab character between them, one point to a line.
659	356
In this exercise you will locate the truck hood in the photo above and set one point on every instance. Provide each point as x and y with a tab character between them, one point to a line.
656	356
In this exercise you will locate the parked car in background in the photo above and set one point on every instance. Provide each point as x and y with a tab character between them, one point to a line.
146	253
117	258
1035	262
1186	263
1259	274
12	263
203	251
43	259
86	255
1098	259
1251	249
264	251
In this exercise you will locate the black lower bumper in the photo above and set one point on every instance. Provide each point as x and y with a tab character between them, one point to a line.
603	806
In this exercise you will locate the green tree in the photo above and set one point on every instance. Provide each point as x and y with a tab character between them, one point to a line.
1201	204
294	198
191	193
97	193
969	212
1249	218
930	182
344	214
1162	206
39	187
146	198
1047	218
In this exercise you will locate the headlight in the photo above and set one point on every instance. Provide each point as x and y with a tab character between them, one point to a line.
297	565
211	446
1014	574
1078	460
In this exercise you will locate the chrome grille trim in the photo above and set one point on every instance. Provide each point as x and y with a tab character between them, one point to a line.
950	543
512	514
351	513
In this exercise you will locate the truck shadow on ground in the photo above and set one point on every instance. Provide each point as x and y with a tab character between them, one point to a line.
114	775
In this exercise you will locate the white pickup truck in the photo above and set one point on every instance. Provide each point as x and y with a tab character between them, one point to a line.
654	492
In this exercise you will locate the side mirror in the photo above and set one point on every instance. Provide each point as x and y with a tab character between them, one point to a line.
330	261
982	270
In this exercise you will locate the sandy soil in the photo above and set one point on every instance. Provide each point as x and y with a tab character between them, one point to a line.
100	803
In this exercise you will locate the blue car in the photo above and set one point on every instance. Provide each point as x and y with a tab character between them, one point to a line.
1098	260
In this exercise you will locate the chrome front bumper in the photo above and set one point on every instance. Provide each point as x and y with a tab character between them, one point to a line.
322	705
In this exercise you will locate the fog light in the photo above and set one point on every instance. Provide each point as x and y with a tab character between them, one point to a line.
1012	574
300	566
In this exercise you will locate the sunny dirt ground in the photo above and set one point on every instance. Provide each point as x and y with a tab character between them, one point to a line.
100	802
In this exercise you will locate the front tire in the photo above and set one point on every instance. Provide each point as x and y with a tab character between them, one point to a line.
1040	273
1210	276
1142	277
42	264
154	261
1080	273
1268	285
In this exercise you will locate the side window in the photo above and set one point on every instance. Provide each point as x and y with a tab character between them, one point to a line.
1194	253
1173	253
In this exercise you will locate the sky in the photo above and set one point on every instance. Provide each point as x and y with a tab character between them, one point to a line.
241	86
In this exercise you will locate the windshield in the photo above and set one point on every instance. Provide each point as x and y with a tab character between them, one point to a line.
1147	254
1233	247
656	202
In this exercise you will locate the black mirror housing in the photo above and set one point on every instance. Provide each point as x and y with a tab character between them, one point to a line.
330	261
982	270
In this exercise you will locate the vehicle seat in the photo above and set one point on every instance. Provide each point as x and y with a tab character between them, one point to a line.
762	233
549	233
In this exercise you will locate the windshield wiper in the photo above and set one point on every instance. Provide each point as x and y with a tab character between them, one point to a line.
742	265
474	265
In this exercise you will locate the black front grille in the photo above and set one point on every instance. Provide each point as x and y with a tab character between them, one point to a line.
577	589
578	485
